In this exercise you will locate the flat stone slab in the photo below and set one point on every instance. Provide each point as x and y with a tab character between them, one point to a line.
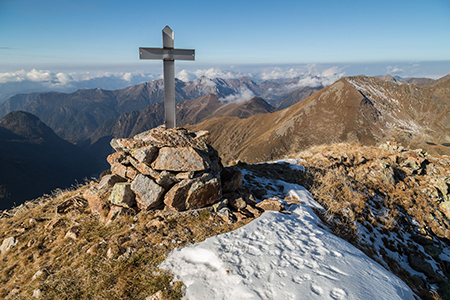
182	159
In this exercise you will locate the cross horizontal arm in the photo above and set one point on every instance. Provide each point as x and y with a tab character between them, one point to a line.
166	54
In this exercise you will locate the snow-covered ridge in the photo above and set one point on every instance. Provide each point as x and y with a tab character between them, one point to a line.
282	256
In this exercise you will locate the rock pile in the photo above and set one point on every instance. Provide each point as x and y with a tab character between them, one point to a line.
162	168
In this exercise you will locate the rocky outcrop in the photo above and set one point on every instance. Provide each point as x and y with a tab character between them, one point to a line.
7	244
161	167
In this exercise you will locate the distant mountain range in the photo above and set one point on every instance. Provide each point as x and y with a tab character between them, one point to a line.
75	117
367	110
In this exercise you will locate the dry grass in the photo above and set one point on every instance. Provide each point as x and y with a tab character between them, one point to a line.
370	192
115	261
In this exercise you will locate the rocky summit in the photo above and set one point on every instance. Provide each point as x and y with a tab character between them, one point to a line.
171	169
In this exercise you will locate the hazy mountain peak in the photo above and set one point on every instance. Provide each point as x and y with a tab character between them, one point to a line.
390	78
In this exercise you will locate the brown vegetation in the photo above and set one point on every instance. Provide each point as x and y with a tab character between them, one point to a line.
390	203
73	255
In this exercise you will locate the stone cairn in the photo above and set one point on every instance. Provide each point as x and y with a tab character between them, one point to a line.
168	169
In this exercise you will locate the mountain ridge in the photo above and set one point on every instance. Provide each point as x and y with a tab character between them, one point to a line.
353	109
75	116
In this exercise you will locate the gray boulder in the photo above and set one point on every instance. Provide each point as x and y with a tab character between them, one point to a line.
148	193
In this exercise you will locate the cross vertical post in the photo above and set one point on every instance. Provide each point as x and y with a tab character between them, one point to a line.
169	79
168	54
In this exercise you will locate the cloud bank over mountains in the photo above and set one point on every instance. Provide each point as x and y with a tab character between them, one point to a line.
51	78
34	80
311	75
243	95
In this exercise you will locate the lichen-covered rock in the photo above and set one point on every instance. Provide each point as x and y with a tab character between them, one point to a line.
131	172
439	182
145	167
122	195
236	201
114	213
194	193
148	193
146	170
444	207
185	175
181	159
381	171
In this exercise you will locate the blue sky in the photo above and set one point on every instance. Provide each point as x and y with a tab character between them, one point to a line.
95	35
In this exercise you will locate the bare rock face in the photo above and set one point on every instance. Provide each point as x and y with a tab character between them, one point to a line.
176	197
172	167
203	194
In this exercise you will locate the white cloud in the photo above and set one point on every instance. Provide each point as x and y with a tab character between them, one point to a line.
244	94
325	78
11	77
127	76
211	73
64	78
22	75
278	73
186	76
391	69
39	75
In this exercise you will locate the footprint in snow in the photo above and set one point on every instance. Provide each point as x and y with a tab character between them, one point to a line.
338	294
336	254
311	264
336	270
323	274
281	273
316	289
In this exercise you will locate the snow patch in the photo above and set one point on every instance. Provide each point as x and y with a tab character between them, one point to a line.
282	256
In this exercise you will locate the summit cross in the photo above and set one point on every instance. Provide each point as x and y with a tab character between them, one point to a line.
168	54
